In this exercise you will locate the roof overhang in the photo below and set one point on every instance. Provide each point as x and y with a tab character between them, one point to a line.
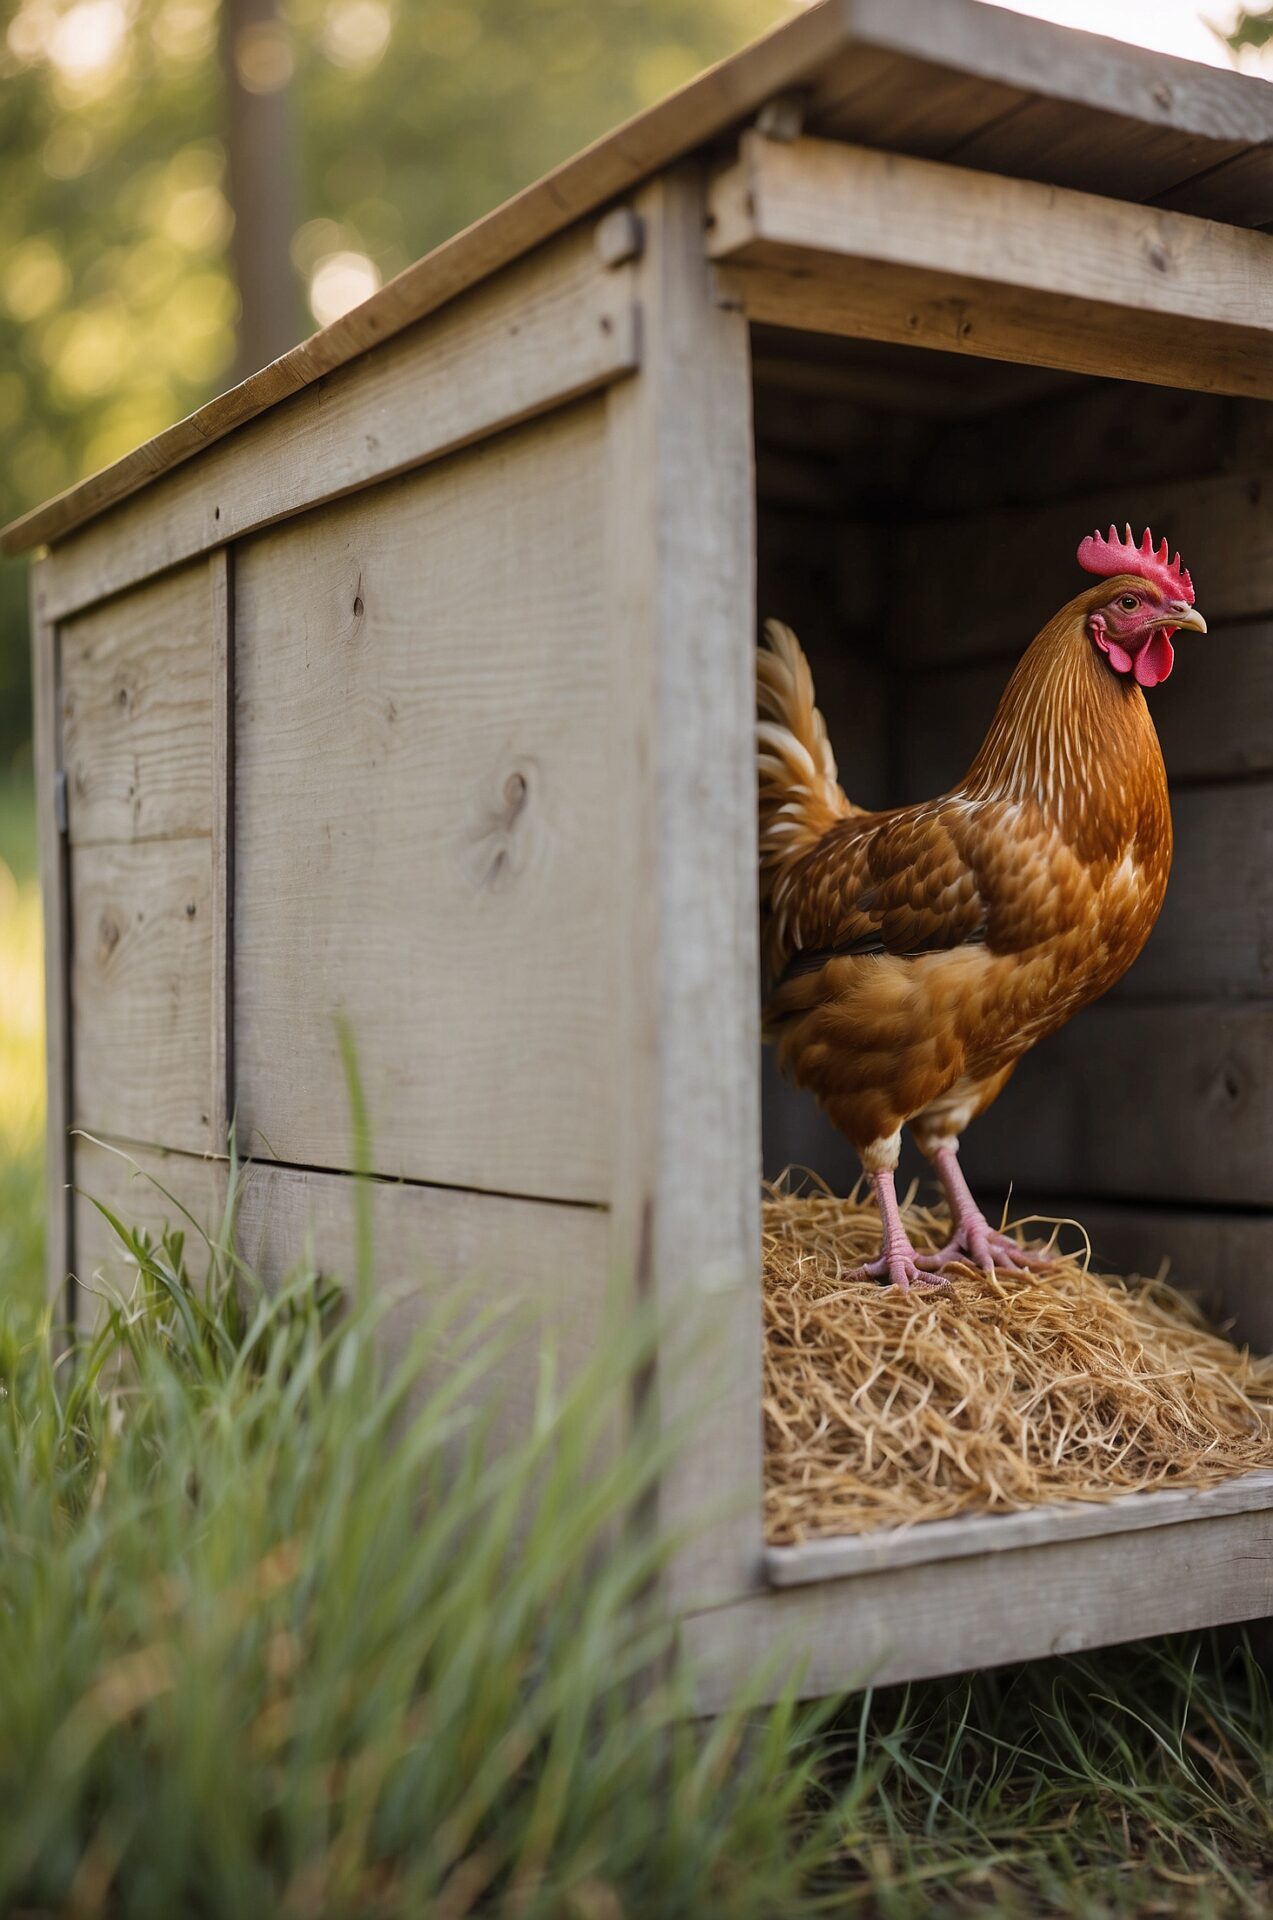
952	80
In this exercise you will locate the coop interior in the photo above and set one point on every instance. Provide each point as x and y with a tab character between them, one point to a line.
917	519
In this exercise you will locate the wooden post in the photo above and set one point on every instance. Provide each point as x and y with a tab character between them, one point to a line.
686	1106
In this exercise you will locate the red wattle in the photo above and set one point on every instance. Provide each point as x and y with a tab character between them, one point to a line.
1155	659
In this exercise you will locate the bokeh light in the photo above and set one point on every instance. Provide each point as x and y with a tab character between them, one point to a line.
340	282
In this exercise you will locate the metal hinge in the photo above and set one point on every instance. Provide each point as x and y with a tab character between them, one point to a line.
59	800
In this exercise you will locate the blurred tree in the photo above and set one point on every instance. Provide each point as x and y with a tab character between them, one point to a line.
256	60
118	303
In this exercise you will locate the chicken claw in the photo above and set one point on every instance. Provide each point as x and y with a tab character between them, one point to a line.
897	1260
902	1270
993	1252
972	1238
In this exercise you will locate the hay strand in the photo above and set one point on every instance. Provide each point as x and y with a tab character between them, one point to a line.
991	1395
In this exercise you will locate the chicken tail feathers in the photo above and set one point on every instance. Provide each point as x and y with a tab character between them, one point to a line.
800	793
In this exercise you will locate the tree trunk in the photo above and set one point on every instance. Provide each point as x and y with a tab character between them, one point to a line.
256	60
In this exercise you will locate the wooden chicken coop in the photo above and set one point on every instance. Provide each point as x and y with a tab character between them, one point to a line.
411	682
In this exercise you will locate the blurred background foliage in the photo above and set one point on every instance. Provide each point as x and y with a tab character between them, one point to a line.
402	121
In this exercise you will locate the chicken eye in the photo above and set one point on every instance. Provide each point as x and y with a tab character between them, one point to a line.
1128	602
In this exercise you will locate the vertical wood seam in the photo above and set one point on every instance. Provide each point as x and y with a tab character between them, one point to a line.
55	891
221	565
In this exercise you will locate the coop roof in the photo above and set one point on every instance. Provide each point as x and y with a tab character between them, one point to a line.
951	80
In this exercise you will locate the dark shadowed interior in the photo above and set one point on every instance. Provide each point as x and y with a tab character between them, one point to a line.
918	515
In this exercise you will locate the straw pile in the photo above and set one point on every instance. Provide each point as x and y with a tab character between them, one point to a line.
882	1409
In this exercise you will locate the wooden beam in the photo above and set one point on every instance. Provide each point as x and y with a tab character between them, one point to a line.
845	239
680	603
845	1556
554	328
910	1623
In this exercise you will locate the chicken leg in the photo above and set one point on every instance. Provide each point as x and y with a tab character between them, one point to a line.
972	1237
897	1261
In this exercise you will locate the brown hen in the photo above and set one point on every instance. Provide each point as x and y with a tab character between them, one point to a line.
916	954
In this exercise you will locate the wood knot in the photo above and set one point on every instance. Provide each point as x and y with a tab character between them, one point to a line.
1230	1084
107	938
501	844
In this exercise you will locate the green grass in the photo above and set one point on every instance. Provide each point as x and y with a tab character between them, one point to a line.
279	1635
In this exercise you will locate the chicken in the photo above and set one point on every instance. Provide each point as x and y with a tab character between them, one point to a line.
917	953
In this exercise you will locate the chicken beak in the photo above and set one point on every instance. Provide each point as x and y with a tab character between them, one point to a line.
1183	616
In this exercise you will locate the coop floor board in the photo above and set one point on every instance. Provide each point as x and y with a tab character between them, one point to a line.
838	1557
1029	1603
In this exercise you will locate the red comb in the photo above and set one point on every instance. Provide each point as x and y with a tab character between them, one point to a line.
1107	554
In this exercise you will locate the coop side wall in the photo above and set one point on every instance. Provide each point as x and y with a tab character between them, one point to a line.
350	766
409	727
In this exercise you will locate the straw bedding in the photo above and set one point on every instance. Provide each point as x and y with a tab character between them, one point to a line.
883	1409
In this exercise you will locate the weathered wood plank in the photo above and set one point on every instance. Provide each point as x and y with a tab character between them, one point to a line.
137	712
141	991
1015	568
796	203
680	610
1224	1258
1133	1102
546	1265
1211	716
53	896
424	811
918	308
1245	182
557	326
1094	76
145	1189
1044	140
1028	1604
1037	451
844	1557
1127	1105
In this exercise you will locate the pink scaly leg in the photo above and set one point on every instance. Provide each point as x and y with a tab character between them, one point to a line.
972	1237
897	1259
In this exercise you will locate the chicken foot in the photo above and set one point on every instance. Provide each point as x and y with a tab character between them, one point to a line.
898	1261
972	1236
